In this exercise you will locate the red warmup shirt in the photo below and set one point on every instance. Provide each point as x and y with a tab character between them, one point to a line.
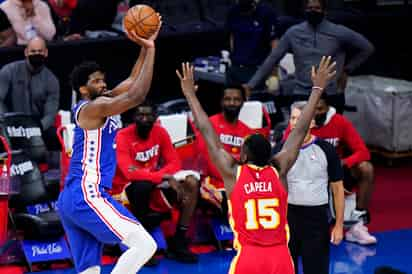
258	206
153	157
340	132
230	135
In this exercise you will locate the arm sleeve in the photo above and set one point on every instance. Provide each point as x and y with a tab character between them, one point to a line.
5	78
169	155
125	160
52	102
43	22
335	170
271	61
358	42
354	142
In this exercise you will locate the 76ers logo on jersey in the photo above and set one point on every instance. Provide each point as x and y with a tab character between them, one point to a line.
114	124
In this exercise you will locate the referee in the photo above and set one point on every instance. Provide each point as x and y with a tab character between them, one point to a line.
316	169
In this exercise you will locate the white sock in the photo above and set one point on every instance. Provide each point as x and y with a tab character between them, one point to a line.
141	248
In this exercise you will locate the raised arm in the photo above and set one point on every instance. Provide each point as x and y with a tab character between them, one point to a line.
104	106
285	159
223	161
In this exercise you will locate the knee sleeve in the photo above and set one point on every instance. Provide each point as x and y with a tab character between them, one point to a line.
91	270
141	239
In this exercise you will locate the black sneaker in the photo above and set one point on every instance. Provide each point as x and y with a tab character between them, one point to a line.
178	250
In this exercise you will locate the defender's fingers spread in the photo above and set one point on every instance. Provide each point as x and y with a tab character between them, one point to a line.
178	74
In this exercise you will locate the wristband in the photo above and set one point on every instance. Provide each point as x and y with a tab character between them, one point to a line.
318	88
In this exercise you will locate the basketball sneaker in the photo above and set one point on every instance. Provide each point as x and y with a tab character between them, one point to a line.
178	249
358	233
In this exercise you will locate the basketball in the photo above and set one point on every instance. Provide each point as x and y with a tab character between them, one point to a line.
142	19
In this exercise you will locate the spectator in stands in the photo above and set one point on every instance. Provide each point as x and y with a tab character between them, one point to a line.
92	15
7	35
147	170
29	18
308	42
252	28
61	11
231	133
28	86
316	169
358	170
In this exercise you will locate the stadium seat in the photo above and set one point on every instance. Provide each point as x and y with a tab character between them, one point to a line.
24	133
34	213
174	106
33	191
271	106
255	115
182	134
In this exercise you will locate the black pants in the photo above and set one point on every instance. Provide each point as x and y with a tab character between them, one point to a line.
138	194
309	237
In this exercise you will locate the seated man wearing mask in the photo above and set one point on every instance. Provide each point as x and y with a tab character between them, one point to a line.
28	86
148	172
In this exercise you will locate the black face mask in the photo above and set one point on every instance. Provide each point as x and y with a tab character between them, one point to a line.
320	119
36	60
314	17
143	129
231	113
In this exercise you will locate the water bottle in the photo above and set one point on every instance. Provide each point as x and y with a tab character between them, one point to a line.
4	181
224	61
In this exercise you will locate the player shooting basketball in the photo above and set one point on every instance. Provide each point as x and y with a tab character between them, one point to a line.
257	191
89	215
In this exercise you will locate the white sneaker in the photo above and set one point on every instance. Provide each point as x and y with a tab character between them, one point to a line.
359	234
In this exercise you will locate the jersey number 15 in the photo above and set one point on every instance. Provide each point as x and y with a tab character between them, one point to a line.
262	213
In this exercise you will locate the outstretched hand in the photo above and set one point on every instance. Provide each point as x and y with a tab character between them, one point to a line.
326	70
187	81
145	42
